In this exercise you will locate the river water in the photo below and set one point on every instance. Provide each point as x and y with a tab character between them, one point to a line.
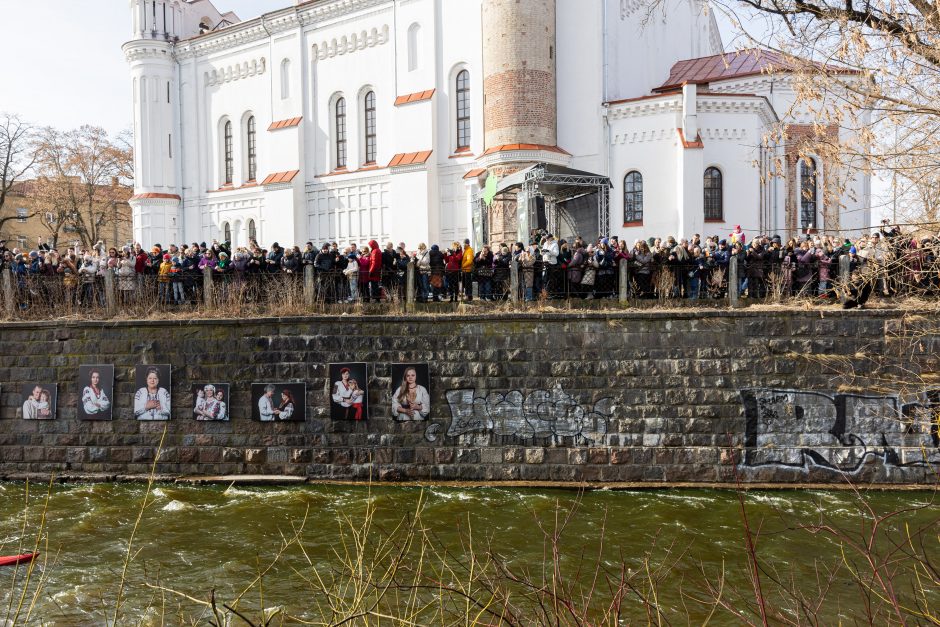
673	549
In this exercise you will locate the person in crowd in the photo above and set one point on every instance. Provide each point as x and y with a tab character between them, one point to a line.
467	265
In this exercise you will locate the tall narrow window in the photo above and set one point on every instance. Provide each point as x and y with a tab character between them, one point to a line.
229	154
808	198
227	232
285	79
252	149
714	201
252	232
341	133
369	103
463	110
633	197
414	31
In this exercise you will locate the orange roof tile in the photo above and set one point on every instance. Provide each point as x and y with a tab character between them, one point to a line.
280	177
472	174
415	97
410	158
275	126
508	147
155	196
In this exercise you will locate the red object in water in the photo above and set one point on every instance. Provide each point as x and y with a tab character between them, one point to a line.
13	560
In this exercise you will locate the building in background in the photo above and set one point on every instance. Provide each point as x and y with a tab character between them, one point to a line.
39	221
350	120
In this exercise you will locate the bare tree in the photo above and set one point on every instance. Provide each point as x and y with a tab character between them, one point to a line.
77	170
870	68
16	158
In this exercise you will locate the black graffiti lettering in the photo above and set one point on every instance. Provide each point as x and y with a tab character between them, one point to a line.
838	431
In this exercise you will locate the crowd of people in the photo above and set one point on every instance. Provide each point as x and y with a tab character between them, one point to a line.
690	268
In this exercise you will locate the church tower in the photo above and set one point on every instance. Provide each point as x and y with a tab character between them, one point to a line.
156	26
520	104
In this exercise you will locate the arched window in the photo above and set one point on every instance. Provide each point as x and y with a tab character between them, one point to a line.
252	233
714	201
285	79
414	32
633	197
369	106
808	194
229	153
252	149
226	232
340	133
463	109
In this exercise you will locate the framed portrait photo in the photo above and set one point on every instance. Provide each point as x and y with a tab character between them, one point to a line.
95	392
411	392
279	402
38	401
211	401
349	391
152	398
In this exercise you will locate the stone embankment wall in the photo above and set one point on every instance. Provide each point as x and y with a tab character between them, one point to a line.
718	396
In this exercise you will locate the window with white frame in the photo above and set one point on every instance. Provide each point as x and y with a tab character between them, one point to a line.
229	153
463	110
339	125
370	126
252	136
808	194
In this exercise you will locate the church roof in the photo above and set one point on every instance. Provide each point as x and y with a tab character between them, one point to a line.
721	67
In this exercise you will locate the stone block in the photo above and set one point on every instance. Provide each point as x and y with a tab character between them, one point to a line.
534	455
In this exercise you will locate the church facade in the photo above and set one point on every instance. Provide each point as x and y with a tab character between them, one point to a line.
350	120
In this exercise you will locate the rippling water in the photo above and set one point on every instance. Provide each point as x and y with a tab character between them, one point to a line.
197	538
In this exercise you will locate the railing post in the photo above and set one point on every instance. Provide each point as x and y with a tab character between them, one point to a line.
624	280
310	285
207	285
110	302
9	304
410	286
514	281
845	276
734	285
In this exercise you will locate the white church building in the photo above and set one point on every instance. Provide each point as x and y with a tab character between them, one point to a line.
350	120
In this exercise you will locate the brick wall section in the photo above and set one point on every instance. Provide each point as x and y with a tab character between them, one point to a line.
674	380
519	72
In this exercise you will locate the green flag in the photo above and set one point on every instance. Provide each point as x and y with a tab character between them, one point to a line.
489	191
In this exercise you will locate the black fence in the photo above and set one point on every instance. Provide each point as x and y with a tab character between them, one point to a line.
243	293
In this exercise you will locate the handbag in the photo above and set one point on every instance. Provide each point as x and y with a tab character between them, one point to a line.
437	281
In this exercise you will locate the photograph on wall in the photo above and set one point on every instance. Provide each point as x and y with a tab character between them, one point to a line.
152	398
39	401
349	391
279	402
211	401
96	389
411	392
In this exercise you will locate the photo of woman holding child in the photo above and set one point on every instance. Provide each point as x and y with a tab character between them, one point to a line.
349	392
39	401
210	401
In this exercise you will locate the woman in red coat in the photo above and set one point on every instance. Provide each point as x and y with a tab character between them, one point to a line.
375	271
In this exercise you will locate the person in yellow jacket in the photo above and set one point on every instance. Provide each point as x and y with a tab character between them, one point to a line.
163	281
466	269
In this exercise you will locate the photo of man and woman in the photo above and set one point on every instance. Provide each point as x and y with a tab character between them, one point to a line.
39	401
211	401
278	402
349	391
411	396
96	389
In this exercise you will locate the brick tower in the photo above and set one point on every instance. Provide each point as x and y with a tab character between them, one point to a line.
519	112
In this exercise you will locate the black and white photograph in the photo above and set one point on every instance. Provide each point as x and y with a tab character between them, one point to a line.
211	401
411	392
96	389
152	398
349	391
39	401
278	402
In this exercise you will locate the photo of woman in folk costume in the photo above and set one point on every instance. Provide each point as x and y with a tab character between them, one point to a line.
152	402
95	402
410	400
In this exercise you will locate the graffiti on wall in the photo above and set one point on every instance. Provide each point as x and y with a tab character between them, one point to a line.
801	429
553	414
